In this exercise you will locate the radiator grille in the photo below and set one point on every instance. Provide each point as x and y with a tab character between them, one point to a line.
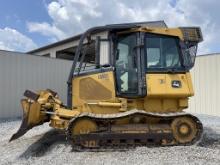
193	34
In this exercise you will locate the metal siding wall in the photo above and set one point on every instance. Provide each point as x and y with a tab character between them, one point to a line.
206	80
20	72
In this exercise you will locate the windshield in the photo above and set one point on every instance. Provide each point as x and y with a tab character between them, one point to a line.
162	52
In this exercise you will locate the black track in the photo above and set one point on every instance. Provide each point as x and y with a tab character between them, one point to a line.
108	140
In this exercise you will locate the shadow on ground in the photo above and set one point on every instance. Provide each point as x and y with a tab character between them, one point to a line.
44	144
210	139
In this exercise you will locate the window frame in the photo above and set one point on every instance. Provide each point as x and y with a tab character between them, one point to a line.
180	69
140	69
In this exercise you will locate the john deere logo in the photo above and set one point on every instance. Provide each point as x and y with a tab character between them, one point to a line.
176	84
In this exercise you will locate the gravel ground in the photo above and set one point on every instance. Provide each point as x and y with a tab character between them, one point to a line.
43	145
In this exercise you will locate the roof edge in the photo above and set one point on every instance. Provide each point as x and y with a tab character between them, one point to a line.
160	23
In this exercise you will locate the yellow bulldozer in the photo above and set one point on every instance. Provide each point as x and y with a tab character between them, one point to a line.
129	88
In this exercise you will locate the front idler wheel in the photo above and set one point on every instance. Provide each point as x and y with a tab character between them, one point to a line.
184	129
79	129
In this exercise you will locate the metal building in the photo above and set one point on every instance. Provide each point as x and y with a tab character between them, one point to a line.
206	78
66	48
20	71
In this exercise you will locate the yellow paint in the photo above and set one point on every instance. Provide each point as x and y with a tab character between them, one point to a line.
176	32
32	112
104	81
96	93
160	85
66	113
161	97
164	31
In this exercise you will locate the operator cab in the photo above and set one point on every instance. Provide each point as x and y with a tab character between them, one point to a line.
139	53
132	52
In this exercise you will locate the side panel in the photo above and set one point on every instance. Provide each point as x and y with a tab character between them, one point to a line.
169	85
94	87
167	92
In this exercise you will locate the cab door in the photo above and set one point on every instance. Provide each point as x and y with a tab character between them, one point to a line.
130	79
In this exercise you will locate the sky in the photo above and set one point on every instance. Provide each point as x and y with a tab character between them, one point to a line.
28	24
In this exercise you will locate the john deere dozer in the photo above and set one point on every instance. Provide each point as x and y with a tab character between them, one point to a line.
130	88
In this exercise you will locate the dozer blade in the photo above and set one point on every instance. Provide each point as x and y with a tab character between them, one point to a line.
32	117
